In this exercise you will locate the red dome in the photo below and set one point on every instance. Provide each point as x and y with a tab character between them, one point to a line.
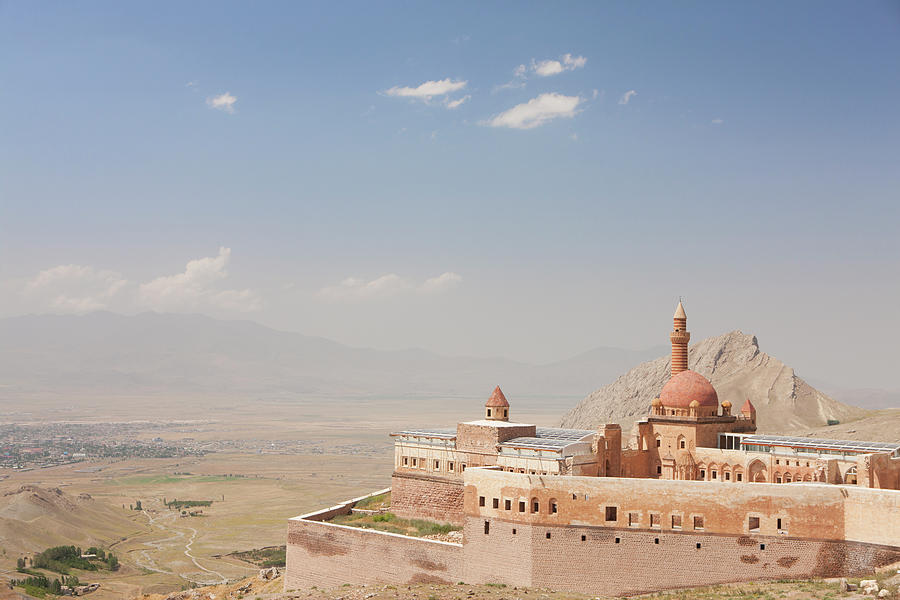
687	386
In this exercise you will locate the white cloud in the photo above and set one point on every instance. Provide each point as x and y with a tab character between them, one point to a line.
518	80
427	90
595	94
567	62
224	102
390	285
626	97
536	112
74	288
451	104
717	121
196	288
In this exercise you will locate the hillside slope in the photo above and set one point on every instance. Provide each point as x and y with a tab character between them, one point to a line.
738	369
33	518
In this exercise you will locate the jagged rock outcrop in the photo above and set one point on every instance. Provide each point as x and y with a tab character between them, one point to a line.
738	370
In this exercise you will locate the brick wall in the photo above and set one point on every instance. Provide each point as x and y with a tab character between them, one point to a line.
588	559
420	496
327	555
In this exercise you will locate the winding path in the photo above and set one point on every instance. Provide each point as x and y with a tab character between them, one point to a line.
151	565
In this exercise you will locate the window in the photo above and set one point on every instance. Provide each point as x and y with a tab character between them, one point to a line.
658	442
548	535
777	461
727	476
618	540
514	531
714	473
698	523
659	469
489	412
553	507
698	545
574	496
676	521
762	546
702	473
505	412
480	500
584	538
779	524
535	505
753	523
682	444
654	520
778	479
740	476
634	519
414	462
405	461
496	502
450	466
521	506
611	513
462	467
437	465
487	527
655	540
507	504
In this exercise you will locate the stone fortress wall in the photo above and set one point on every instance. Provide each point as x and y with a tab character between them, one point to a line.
613	536
327	555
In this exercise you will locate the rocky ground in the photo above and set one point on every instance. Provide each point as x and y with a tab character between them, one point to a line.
268	585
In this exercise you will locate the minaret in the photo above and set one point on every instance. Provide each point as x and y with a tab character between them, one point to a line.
680	337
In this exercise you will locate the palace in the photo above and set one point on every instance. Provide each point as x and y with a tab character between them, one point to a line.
574	510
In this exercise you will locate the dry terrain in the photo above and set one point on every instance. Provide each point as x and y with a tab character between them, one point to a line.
257	588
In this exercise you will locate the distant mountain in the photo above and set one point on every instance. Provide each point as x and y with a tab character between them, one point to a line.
738	370
192	355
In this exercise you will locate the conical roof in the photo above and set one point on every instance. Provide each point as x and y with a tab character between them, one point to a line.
748	407
679	312
497	398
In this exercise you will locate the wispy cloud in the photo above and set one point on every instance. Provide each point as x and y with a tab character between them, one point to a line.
627	96
224	102
451	104
74	288
717	121
390	285
567	62
428	90
536	112
197	288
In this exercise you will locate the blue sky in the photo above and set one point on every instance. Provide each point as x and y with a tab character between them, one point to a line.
752	169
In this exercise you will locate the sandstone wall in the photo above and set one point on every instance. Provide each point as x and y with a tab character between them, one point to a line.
589	559
327	555
421	496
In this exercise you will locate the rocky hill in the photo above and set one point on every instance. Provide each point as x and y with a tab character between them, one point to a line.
33	518
738	369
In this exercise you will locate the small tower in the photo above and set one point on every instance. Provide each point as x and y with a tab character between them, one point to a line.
748	411
680	337
497	407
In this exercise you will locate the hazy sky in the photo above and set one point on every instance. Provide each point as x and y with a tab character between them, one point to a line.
513	179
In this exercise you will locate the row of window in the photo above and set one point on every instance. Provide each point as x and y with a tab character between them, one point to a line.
434	464
618	540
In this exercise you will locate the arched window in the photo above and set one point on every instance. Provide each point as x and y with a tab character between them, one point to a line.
787	478
535	505
554	506
682	443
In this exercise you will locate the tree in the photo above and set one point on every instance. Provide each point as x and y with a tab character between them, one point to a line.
137	505
112	562
20	564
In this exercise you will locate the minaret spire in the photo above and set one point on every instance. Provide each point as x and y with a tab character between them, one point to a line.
680	337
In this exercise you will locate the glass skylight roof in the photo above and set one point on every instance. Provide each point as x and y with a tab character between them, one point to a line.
808	442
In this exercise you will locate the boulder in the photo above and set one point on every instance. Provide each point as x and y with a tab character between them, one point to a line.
268	574
885	593
843	584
